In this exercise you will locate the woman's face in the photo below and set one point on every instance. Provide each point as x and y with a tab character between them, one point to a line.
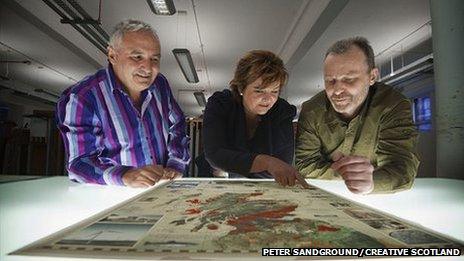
258	99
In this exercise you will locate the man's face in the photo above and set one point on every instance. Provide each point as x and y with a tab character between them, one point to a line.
347	80
136	60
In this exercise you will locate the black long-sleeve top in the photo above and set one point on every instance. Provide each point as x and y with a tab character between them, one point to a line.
225	139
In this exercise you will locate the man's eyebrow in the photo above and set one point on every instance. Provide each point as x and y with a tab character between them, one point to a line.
140	52
350	73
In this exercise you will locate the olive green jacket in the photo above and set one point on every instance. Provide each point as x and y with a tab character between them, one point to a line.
383	131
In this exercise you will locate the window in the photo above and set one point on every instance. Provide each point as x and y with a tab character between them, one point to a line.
423	113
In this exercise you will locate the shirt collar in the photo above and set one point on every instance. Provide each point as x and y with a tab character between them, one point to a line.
115	83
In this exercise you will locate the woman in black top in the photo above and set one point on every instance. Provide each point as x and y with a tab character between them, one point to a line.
247	130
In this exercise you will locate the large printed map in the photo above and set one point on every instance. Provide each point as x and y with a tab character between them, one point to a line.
232	217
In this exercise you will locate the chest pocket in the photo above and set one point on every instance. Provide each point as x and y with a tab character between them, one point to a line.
367	140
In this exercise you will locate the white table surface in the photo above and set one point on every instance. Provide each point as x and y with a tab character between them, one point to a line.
33	209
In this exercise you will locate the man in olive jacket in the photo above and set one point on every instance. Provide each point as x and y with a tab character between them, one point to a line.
358	130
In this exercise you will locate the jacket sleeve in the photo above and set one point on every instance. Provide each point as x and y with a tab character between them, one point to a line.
397	161
82	135
308	157
178	142
215	139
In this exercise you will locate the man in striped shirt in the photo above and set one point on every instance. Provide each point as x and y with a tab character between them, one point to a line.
122	125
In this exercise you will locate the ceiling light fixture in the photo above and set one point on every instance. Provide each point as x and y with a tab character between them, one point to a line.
162	7
184	59
201	100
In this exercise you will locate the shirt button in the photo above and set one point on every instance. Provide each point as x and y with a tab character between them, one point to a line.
147	138
151	157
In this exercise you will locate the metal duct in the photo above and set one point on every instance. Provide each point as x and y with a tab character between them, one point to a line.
84	14
98	38
421	65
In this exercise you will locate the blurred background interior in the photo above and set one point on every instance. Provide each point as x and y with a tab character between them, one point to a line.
49	45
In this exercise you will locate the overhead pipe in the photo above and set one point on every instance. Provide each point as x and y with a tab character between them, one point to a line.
99	46
84	14
73	15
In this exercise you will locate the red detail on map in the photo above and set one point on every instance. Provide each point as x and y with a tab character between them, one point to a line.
245	224
193	211
212	227
324	228
194	201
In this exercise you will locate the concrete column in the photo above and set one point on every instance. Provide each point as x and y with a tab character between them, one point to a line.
448	52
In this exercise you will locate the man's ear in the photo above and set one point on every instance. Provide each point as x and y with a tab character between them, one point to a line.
373	76
112	55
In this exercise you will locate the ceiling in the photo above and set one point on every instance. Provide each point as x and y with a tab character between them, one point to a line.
298	30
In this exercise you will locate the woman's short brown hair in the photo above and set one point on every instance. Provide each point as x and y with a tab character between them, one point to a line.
258	64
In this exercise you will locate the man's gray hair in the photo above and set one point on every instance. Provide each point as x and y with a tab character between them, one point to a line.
127	26
344	45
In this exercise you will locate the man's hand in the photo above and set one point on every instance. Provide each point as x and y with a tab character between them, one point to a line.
171	174
147	176
357	172
284	174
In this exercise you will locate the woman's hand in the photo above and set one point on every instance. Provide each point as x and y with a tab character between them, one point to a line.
283	173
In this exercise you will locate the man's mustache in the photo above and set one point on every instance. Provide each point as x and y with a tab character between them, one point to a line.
342	97
143	73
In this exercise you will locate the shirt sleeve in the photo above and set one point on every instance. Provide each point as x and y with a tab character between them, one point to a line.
308	157
178	142
397	160
82	135
215	139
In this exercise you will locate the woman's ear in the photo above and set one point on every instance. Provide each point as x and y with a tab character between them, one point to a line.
240	90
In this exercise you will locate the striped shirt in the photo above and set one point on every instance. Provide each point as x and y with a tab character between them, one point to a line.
105	135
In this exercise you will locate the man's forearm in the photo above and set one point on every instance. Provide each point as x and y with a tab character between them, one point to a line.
394	177
318	168
87	170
